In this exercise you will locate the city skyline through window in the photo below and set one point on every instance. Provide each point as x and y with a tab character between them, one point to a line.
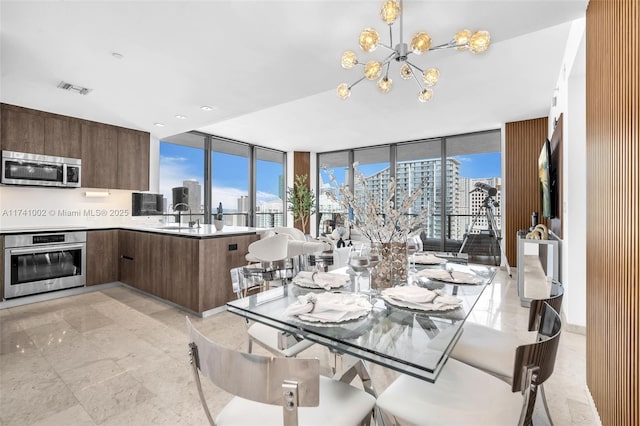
183	165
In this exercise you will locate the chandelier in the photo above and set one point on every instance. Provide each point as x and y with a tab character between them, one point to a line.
475	42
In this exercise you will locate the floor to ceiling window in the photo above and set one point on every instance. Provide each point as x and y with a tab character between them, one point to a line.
477	208
230	181
329	213
454	172
182	165
224	169
270	188
419	165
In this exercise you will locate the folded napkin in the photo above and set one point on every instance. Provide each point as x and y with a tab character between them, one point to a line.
455	277
427	259
325	280
329	307
420	298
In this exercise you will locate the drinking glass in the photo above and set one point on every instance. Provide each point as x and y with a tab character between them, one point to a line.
412	248
374	258
359	262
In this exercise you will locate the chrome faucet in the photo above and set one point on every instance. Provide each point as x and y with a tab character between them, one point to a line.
191	221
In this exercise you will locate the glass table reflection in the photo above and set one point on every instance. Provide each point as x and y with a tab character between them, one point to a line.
412	342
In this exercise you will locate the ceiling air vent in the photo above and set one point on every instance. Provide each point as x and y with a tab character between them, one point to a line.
68	86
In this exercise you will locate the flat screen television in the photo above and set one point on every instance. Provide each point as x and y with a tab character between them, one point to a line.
546	181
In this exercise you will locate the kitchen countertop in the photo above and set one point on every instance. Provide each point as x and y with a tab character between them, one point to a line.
205	231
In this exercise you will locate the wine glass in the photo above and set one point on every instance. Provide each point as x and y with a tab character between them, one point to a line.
412	248
359	262
374	258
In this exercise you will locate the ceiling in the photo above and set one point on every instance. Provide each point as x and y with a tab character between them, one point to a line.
269	69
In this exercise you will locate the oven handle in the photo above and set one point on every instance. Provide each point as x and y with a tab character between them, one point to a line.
47	249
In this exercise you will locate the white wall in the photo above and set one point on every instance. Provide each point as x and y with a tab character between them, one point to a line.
35	207
570	97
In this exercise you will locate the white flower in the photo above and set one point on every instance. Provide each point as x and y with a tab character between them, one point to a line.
380	221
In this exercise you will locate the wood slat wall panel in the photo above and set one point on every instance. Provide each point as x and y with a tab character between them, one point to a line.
523	140
302	166
613	209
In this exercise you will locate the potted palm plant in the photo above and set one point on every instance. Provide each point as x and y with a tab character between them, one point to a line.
301	202
218	219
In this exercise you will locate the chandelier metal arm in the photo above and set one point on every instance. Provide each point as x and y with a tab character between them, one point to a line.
416	79
449	45
415	66
386	47
356	82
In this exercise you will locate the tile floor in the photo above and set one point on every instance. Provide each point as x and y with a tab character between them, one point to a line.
117	357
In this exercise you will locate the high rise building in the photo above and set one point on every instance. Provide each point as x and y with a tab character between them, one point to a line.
195	194
425	174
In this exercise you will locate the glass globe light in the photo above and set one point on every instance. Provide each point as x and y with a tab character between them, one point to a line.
420	43
369	39
343	91
405	71
348	60
462	39
384	84
431	76
389	12
479	41
425	95
372	70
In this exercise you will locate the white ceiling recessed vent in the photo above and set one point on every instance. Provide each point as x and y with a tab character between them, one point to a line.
68	86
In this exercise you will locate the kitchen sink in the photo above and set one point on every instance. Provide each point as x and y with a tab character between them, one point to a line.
174	227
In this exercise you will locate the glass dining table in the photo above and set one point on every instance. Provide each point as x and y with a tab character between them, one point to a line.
411	341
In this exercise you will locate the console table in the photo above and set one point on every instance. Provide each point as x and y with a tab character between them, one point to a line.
538	260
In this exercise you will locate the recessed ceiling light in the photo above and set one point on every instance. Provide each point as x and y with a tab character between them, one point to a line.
117	55
206	108
181	117
159	124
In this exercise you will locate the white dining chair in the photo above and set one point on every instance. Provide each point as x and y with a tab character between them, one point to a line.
274	391
275	341
464	395
492	350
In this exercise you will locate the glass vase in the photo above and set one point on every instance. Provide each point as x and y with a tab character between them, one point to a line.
392	268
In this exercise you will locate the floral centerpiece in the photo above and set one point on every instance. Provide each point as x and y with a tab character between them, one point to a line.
383	222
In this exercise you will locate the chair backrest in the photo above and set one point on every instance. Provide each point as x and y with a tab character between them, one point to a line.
289	382
293	233
271	248
534	362
556	293
242	282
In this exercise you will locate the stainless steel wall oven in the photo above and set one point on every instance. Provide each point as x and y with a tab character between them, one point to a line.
37	263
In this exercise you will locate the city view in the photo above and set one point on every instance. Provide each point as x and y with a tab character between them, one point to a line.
463	202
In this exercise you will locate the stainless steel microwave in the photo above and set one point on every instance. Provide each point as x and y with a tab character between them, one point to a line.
20	168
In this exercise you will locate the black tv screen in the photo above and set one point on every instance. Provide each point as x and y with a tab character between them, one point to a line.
545	179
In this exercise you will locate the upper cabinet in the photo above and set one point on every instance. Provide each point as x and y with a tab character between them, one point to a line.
62	136
133	160
99	156
22	130
112	157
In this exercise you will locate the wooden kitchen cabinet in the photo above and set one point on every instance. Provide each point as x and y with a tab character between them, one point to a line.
102	257
62	136
182	266
150	260
22	130
133	160
221	254
99	156
126	253
190	272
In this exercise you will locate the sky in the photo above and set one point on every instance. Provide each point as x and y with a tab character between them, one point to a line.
230	172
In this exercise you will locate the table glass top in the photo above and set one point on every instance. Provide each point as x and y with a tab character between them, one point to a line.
410	341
